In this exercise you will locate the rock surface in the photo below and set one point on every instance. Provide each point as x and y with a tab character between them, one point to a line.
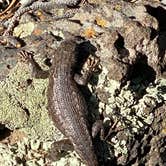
130	87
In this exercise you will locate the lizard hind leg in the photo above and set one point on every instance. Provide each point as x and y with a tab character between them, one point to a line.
59	148
98	127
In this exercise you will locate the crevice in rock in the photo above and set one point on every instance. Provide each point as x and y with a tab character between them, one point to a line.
160	14
47	62
21	161
29	81
153	33
141	75
163	154
26	111
132	17
120	46
141	148
4	132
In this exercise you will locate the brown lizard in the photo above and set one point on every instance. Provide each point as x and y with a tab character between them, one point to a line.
66	104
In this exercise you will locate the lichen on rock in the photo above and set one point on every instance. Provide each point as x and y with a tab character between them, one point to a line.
129	37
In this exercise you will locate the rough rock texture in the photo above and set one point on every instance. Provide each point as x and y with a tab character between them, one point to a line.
129	87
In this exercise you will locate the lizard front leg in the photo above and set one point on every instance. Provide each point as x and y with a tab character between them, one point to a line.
88	69
36	70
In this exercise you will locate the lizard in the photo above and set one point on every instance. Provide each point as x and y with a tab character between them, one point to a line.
66	105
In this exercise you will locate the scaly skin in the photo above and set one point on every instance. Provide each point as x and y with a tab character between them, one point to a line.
66	104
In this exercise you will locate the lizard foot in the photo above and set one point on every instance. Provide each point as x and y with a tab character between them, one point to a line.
58	147
92	63
88	69
26	57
